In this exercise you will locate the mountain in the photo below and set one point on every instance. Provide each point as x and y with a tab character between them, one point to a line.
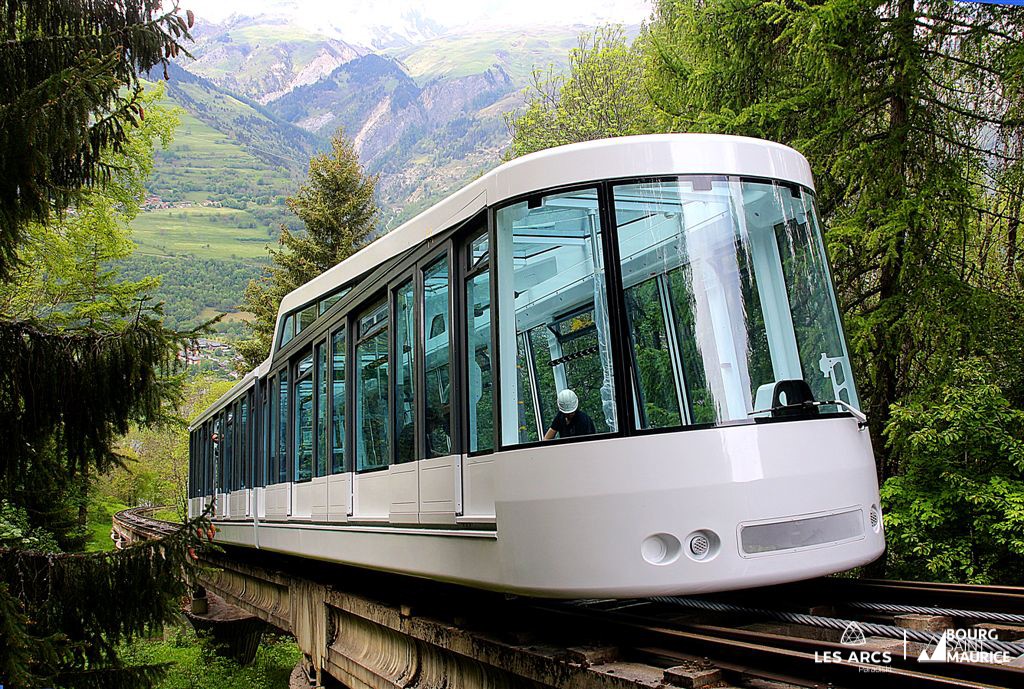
426	113
216	198
266	58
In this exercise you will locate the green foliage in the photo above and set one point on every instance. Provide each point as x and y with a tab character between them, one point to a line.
17	532
957	511
337	208
193	663
155	467
69	95
905	109
603	95
193	289
101	515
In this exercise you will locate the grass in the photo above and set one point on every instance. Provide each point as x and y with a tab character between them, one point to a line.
198	231
457	56
168	514
194	665
101	513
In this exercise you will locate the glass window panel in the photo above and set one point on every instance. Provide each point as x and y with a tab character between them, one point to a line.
748	295
229	449
215	452
244	446
371	370
338	464
372	319
273	429
405	375
479	251
478	320
655	385
282	429
321	409
437	360
287	330
305	318
303	409
327	302
552	272
261	466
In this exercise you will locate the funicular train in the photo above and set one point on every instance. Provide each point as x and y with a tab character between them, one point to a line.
676	284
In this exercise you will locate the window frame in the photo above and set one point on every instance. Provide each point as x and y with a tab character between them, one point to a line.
365	307
425	263
464	270
623	401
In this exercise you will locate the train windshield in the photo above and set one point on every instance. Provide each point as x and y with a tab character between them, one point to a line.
727	294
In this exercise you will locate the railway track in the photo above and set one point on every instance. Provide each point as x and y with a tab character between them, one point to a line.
794	635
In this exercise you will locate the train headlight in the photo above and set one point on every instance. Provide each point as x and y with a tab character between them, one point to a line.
661	549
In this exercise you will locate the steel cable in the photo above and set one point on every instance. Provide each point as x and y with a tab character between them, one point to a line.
1009	618
871	628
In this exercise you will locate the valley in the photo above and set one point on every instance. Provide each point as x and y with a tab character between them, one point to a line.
425	110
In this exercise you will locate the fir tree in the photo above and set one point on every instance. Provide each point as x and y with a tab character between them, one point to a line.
78	363
910	113
337	207
69	92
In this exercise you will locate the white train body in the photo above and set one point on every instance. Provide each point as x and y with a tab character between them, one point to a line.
677	283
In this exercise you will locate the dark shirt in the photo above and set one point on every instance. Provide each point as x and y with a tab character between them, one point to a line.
581	424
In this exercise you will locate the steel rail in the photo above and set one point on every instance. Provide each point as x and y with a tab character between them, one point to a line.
762	652
886	630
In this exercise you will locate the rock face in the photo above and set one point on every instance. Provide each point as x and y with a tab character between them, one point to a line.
264	60
425	111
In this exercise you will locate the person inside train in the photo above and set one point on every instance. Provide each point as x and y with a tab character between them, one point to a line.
569	421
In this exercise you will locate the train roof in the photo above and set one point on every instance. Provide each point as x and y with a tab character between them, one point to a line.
624	157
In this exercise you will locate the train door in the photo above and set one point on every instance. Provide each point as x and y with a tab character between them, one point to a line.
340	478
372	432
478	398
403	479
440	466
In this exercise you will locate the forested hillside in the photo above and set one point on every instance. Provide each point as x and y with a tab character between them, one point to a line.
262	96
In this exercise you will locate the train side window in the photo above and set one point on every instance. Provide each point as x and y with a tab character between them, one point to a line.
405	375
287	330
282	428
229	449
338	357
273	428
208	482
302	404
247	440
480	378
373	448
305	318
437	359
553	326
479	252
264	440
321	409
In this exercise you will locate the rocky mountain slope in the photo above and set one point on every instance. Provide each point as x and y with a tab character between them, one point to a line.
264	94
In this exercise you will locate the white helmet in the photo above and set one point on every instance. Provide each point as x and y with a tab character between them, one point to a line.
568	402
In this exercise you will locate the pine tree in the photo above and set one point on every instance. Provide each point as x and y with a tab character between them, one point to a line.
336	205
69	92
74	377
907	110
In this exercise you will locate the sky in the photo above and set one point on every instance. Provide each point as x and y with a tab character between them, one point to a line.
355	16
